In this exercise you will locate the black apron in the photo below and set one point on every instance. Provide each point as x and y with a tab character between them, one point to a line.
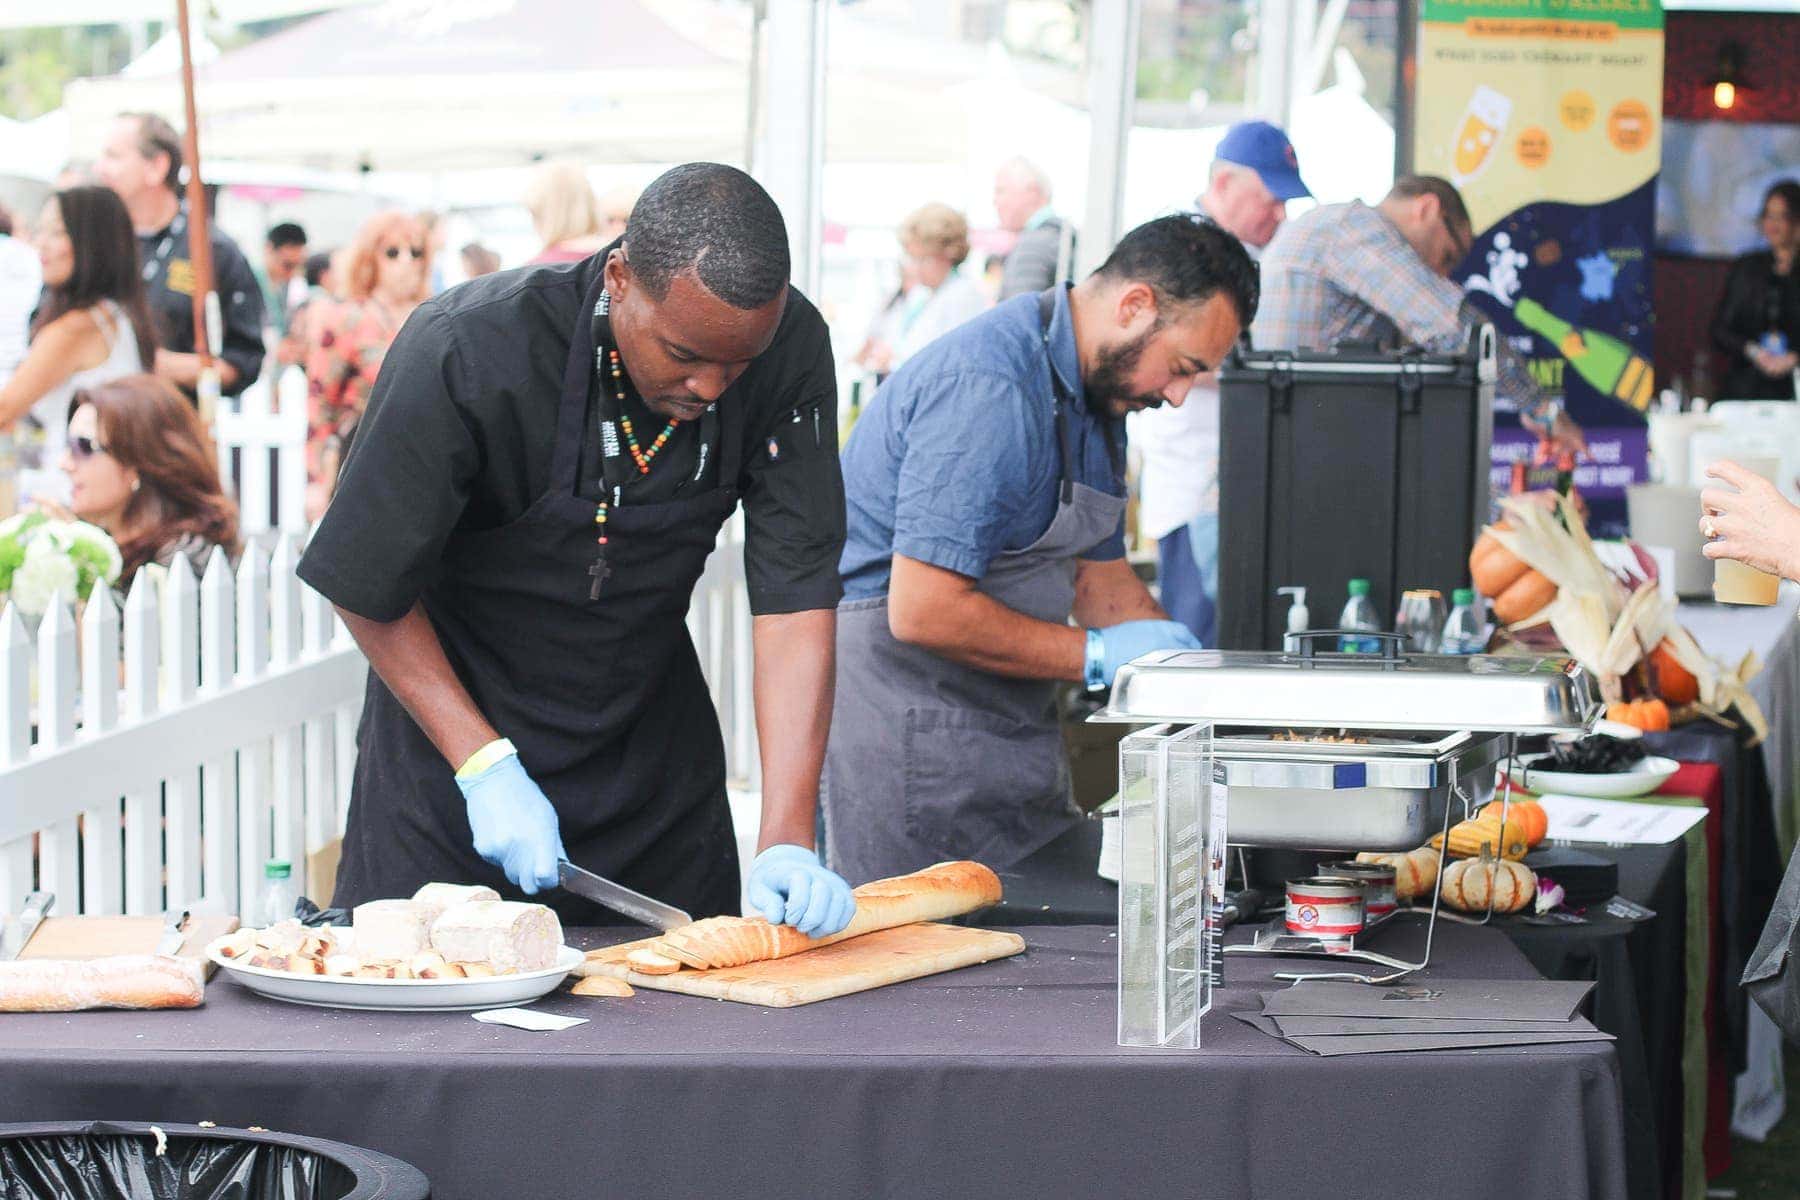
603	697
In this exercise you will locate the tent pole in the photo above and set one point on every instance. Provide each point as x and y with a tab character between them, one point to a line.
759	13
206	304
1112	98
792	165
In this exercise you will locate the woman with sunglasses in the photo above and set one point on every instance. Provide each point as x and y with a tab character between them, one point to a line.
387	276
92	325
140	466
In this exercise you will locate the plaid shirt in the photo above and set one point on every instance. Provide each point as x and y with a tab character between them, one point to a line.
1343	272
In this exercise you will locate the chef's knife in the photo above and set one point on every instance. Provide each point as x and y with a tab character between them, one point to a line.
620	898
36	905
172	936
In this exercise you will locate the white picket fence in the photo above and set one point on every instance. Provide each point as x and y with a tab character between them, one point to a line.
261	439
171	749
719	621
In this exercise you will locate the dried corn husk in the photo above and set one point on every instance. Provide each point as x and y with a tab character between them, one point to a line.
1556	543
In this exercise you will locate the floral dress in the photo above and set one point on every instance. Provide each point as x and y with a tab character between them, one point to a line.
341	364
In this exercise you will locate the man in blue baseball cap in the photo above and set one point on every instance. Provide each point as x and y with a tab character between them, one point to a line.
1254	174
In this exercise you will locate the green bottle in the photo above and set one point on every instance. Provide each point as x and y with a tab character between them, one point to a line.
1603	360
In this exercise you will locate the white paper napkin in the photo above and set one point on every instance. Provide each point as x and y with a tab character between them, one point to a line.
524	1018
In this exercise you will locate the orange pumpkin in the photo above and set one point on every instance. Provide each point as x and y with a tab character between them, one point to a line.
1529	814
1674	682
1652	716
1492	566
1524	597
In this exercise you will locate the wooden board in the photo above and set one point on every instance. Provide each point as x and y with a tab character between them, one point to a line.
102	937
870	961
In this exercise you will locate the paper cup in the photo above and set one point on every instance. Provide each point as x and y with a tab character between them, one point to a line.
1733	582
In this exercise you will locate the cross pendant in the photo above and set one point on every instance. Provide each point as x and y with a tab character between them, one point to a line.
600	571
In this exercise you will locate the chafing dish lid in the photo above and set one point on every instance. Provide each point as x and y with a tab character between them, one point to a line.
1483	693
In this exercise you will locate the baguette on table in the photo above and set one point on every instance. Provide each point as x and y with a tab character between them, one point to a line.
945	890
122	981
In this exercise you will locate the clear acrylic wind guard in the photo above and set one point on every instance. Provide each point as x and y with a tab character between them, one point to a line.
1171	884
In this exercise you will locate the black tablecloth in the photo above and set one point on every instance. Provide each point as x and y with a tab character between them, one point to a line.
1000	1081
1750	867
1637	968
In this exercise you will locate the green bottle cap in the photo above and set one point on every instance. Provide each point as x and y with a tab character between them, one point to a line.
1463	596
277	868
1359	587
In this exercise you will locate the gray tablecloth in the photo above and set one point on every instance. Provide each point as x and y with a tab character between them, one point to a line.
1000	1081
1727	632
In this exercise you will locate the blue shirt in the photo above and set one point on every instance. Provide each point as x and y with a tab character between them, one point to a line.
955	459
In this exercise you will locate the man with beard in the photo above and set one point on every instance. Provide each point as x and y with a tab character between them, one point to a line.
985	497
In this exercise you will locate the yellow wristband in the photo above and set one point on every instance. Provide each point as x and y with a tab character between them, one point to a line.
485	757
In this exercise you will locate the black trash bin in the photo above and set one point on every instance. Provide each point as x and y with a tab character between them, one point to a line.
126	1160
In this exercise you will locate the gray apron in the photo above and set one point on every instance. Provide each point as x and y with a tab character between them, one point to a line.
931	760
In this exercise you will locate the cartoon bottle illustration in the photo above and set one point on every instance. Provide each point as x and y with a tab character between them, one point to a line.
1604	361
1478	134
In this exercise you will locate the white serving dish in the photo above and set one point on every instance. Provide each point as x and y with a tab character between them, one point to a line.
1641	780
397	995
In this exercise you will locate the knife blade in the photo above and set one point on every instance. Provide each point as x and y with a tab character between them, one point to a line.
36	905
620	898
172	936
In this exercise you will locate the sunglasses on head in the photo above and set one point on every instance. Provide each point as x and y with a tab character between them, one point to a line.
414	251
83	448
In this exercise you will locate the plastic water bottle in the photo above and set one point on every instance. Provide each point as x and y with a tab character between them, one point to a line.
1462	632
1359	613
279	893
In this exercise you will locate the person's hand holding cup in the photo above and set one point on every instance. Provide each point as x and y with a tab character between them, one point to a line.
1753	535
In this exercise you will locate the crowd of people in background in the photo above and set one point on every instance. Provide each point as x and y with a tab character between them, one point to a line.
97	320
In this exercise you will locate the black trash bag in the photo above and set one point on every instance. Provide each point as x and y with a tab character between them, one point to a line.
106	1161
1769	976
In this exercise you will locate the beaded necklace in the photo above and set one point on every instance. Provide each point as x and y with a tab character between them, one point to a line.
643	458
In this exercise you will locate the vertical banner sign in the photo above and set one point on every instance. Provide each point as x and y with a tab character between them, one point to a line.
1547	114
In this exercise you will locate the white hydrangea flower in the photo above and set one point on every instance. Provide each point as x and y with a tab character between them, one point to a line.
44	547
41	577
95	536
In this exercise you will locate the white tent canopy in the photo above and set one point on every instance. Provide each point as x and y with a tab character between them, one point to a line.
416	86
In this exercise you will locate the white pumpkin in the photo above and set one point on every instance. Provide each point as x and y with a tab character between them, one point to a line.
1414	871
1471	883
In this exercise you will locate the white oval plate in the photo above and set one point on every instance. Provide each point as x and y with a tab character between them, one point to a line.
1641	780
399	995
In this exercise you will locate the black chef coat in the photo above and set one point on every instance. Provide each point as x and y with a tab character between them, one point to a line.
460	427
169	287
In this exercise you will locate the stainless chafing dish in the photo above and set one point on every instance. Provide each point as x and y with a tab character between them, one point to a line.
1307	750
1328	751
1481	693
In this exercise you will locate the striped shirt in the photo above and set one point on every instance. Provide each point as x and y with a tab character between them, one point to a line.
1344	272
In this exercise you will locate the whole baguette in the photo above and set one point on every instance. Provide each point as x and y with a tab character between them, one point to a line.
945	890
123	981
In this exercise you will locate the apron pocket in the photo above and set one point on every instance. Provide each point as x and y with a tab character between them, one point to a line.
980	786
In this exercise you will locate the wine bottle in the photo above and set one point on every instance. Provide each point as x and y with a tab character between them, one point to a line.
1600	358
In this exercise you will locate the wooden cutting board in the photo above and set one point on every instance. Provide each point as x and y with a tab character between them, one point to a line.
870	961
102	937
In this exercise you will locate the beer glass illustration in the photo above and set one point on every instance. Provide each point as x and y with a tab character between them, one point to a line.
1478	133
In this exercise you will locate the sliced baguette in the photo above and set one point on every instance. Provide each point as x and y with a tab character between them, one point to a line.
945	890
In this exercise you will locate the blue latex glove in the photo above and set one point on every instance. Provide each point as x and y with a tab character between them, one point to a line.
788	885
514	826
1113	647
